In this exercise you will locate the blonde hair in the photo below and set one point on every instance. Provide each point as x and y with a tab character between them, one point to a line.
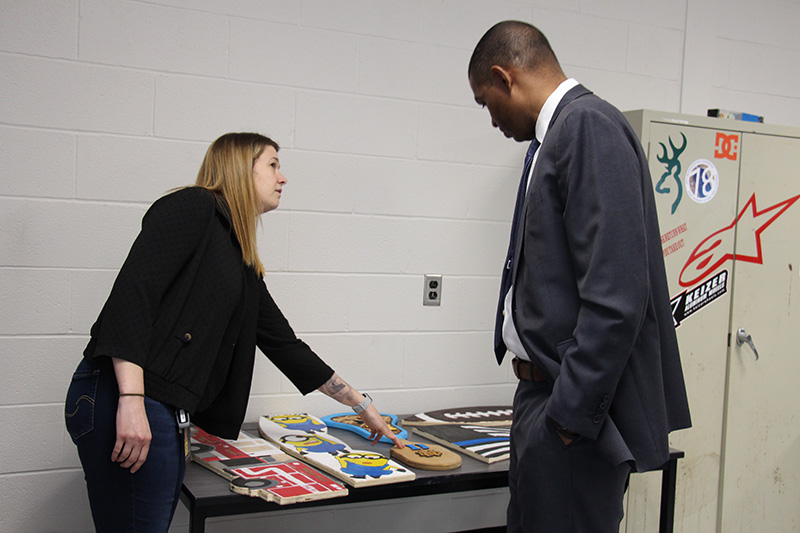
227	171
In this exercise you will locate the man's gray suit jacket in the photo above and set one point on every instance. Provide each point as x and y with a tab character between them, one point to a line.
591	302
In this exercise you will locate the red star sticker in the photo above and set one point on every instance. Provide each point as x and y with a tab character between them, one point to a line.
710	255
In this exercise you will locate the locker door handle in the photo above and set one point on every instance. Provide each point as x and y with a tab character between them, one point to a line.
743	337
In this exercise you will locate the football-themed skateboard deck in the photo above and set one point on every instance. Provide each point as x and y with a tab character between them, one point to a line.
258	468
475	416
306	437
354	423
426	456
485	443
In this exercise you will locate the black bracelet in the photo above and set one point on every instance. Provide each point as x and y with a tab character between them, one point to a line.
131	394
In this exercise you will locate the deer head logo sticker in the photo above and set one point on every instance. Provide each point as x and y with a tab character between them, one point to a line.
673	165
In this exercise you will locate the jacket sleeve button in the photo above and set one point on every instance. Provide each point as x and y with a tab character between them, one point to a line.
187	337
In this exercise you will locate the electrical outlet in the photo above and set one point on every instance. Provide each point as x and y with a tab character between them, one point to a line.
432	293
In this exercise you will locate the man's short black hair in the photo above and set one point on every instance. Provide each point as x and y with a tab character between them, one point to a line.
511	43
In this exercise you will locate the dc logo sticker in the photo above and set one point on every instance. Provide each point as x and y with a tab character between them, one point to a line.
702	181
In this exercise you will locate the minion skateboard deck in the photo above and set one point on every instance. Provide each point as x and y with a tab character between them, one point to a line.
306	437
259	469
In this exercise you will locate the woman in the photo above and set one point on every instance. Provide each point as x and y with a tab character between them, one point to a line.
178	334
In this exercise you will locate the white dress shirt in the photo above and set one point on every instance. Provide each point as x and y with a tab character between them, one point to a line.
510	335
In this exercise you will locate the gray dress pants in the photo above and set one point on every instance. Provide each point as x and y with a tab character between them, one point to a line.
557	488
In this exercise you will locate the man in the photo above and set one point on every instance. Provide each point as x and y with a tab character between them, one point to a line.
584	305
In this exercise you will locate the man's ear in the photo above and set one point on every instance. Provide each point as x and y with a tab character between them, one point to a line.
502	77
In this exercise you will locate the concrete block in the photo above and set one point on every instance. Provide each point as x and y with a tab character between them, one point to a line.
355	125
456	247
432	189
383	18
340	243
204	109
771	23
499	394
395	245
582	40
75	96
311	302
32	437
655	52
662	14
625	91
465	135
65	234
45	501
325	182
479	301
758	68
38	368
444	79
461	23
135	169
450	360
316	58
291	401
37	163
274	10
34	301
368	361
266	377
40	27
88	293
394	303
153	37
273	240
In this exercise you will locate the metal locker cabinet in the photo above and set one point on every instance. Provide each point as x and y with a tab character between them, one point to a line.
726	193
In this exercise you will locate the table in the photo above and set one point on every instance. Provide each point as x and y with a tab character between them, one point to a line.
206	494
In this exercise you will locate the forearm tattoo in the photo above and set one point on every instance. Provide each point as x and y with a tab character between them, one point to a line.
336	388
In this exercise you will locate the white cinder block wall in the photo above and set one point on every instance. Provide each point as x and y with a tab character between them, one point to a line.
393	172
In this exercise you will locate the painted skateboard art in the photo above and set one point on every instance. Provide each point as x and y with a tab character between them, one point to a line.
306	437
476	416
257	468
426	456
354	423
484	443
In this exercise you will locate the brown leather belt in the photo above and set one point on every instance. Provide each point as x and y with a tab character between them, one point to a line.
526	371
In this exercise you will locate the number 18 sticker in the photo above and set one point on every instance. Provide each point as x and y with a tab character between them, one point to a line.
702	181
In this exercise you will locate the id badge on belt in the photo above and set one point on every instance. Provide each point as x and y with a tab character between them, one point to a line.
183	428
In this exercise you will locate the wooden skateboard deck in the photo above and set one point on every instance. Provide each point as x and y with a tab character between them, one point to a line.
357	468
485	443
426	456
354	423
259	469
476	416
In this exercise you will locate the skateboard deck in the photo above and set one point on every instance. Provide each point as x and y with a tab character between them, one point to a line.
484	443
353	423
426	456
476	416
358	468
258	468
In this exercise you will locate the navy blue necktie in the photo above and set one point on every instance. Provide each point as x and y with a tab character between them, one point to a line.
506	282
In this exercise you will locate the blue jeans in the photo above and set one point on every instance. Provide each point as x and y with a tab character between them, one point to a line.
120	501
